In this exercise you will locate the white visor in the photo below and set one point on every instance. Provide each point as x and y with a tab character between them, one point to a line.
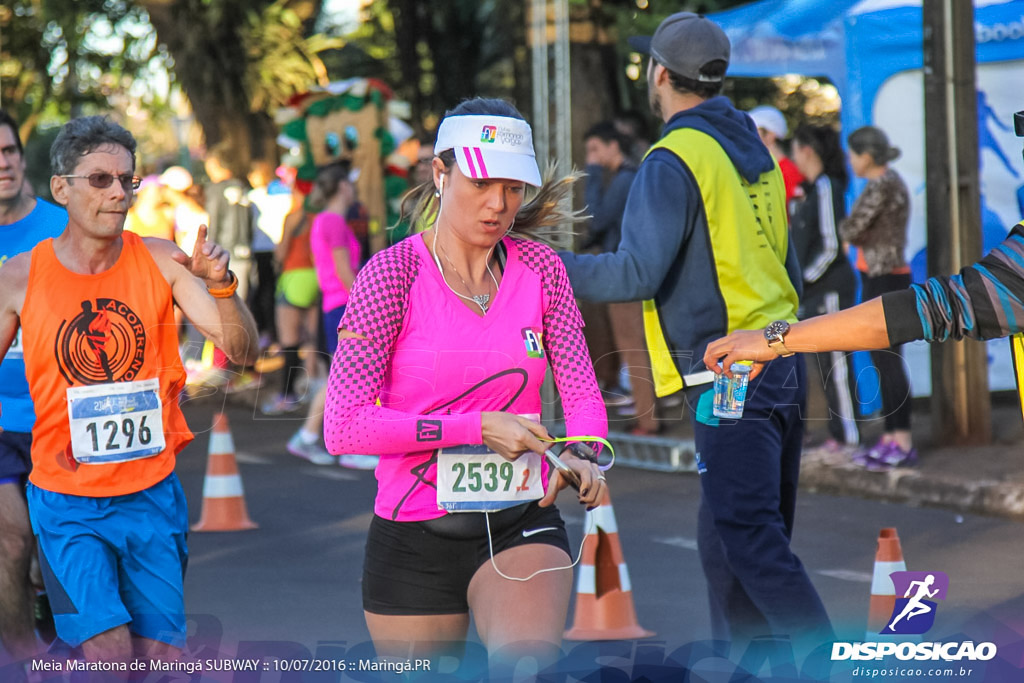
490	147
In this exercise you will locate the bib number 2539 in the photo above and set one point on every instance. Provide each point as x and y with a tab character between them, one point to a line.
473	478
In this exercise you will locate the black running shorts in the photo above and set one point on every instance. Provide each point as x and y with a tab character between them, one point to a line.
414	568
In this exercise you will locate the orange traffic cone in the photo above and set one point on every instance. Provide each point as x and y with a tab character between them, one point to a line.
223	498
888	559
604	597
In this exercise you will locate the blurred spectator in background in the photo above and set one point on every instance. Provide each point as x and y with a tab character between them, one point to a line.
337	256
187	202
296	311
227	202
271	200
419	173
829	281
877	226
610	174
771	126
636	129
151	215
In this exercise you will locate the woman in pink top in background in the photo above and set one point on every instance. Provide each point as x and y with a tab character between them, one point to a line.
336	257
453	330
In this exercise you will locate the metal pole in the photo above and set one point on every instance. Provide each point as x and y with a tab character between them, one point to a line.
543	113
960	407
563	104
539	67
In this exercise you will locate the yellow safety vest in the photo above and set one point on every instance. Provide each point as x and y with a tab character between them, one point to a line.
749	236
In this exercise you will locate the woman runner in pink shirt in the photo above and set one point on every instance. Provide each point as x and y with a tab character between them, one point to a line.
453	330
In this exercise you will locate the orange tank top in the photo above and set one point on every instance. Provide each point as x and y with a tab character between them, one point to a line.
300	253
101	358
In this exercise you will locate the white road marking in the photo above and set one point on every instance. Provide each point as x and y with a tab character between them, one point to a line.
678	542
846	575
337	474
252	459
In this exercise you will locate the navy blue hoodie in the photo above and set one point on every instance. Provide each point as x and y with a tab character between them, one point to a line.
666	252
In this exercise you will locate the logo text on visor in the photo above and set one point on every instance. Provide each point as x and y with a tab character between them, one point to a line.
488	146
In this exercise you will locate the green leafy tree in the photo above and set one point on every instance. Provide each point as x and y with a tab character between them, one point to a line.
238	59
61	58
435	54
281	61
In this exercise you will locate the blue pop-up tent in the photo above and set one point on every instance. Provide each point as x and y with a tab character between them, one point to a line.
775	37
872	52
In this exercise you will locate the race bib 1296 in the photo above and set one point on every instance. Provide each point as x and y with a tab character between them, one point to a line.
116	422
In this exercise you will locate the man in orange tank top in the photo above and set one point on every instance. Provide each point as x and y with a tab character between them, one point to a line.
95	310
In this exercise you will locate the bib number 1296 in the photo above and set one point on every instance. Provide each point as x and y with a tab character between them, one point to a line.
116	422
120	435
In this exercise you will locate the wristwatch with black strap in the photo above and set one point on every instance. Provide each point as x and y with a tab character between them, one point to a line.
775	335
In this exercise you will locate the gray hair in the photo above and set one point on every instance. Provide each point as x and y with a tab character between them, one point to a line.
84	136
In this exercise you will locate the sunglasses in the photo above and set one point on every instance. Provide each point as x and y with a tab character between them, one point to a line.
102	181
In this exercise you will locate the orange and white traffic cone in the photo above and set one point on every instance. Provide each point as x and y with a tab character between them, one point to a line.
888	559
223	498
604	595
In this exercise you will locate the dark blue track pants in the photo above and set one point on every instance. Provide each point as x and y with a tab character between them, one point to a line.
749	472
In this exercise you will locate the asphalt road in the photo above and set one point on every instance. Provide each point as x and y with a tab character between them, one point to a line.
295	581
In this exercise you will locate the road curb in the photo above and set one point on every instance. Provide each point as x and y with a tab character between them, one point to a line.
832	472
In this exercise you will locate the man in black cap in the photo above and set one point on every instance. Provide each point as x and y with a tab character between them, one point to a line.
705	239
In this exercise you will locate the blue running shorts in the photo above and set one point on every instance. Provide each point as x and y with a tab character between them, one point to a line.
114	560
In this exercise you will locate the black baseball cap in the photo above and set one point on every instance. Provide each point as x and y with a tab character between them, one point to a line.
685	43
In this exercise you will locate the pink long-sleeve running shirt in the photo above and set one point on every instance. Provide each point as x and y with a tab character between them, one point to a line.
435	365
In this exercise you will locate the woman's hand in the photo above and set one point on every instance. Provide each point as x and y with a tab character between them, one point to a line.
592	481
510	436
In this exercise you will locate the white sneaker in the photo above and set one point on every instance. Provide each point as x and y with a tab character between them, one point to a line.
313	452
359	462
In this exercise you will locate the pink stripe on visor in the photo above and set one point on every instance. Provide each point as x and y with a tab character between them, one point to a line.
480	163
469	162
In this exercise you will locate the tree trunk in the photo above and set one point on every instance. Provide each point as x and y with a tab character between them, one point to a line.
407	49
210	61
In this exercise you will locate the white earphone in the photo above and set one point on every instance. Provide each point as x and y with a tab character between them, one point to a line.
440	187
